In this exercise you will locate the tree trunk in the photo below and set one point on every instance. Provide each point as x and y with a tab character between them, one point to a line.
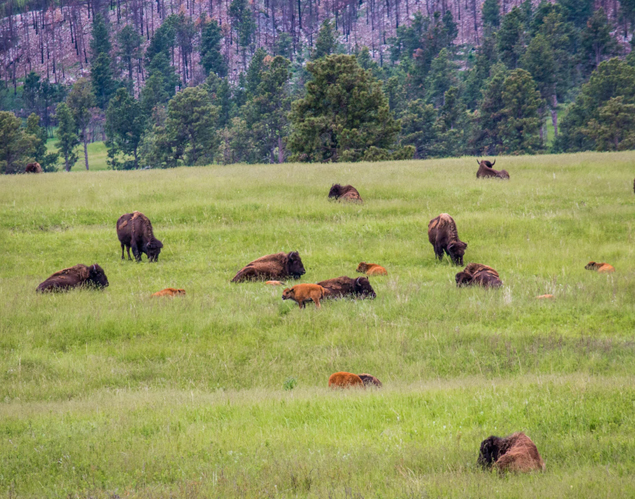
280	150
85	140
67	166
554	115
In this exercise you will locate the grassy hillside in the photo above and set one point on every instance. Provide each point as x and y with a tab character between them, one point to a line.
114	393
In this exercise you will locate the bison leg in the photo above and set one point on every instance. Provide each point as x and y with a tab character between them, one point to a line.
438	252
122	251
301	304
128	248
317	303
136	252
245	274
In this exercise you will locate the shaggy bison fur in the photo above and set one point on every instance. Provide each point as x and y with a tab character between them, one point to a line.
444	237
602	268
347	286
272	267
513	453
304	293
371	269
486	170
345	193
169	292
345	380
33	168
477	274
370	380
74	277
134	230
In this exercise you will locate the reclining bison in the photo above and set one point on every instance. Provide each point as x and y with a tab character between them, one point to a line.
134	230
513	453
33	168
486	170
75	277
345	193
272	267
444	237
343	286
477	274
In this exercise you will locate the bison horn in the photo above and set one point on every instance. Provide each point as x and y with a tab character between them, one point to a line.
493	163
477	161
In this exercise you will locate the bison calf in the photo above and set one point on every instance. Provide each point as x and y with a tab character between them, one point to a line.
477	274
303	293
602	268
272	267
444	237
345	193
371	269
169	292
486	170
345	380
134	230
74	277
513	453
347	286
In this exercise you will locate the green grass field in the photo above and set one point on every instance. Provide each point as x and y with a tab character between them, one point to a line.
115	394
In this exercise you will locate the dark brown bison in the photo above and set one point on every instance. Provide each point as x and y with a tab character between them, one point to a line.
370	380
486	170
477	274
33	168
74	277
513	453
272	267
345	193
347	286
444	237
134	230
345	380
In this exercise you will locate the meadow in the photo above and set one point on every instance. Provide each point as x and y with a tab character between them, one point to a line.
223	392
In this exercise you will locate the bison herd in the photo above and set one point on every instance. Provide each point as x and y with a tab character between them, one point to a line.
514	453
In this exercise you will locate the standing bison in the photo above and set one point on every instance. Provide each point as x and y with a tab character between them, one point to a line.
272	267
513	453
134	230
444	237
74	277
347	286
345	193
477	274
486	170
33	168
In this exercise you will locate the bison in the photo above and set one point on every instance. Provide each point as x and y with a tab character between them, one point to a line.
370	380
477	274
272	267
74	277
602	268
444	237
486	170
345	380
169	292
347	286
33	168
371	269
134	230
345	193
304	293
513	453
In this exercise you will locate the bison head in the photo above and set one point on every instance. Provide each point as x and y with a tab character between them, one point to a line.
486	163
362	267
294	265
288	294
363	288
462	279
489	452
457	251
97	277
153	248
336	191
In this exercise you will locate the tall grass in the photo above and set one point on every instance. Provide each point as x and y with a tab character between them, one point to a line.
116	393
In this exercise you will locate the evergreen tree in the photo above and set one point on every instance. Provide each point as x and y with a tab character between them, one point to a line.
418	130
66	133
343	115
221	95
577	11
283	46
614	128
396	95
486	57
254	72
242	19
103	82
486	132
212	59
80	100
46	160
597	42
491	14
129	42
511	38
442	76
16	146
326	43
161	84
31	92
163	39
540	62
125	124
450	126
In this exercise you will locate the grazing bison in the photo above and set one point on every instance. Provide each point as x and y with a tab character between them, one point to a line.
33	168
444	237
345	193
347	286
74	277
169	292
513	453
303	293
134	230
345	380
276	267
602	268
370	380
371	269
477	274
486	170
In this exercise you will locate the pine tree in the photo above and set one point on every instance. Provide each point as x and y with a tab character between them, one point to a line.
418	130
491	14
16	146
326	43
511	38
242	19
486	58
46	160
442	76
540	62
66	133
597	42
163	39
80	100
283	46
343	115
577	11
31	92
489	116
614	128
450	126
125	125
212	59
254	72
129	42
101	75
